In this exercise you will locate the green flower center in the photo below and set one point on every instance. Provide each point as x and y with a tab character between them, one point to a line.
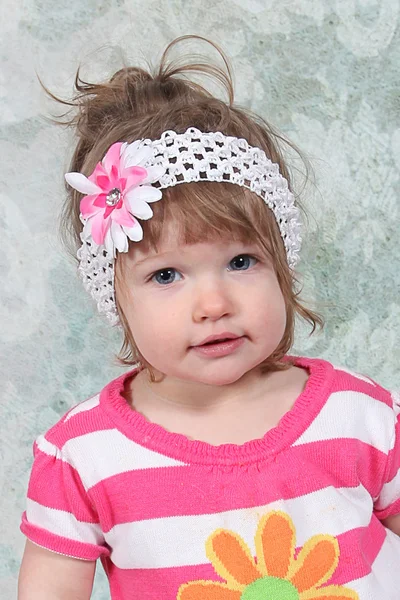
270	588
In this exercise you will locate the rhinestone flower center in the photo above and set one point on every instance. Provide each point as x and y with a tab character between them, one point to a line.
113	197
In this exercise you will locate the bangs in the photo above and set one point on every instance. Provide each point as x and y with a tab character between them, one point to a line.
207	211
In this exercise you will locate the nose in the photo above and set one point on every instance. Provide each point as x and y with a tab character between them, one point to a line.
212	301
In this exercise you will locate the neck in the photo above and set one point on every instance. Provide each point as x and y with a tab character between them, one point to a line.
193	396
248	409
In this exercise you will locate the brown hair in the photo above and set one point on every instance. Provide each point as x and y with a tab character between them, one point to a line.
137	104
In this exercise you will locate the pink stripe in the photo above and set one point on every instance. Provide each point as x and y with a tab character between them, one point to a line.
55	484
389	511
82	423
61	545
199	489
146	583
345	382
358	550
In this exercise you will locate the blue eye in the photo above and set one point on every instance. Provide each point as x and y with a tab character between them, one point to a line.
242	262
165	276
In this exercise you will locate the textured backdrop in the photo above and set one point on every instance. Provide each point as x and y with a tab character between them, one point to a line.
325	72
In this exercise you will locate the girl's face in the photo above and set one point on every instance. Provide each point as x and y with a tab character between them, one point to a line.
174	299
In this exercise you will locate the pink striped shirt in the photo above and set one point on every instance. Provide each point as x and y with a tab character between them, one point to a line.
295	512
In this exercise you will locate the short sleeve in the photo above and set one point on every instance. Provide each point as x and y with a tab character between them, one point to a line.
59	515
388	502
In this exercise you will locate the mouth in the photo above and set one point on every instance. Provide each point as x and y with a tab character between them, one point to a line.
217	339
219	346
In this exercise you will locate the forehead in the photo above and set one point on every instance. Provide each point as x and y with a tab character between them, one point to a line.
172	242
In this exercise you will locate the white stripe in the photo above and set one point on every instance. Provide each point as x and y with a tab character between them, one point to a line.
356	375
389	493
352	415
384	580
178	541
47	447
396	402
102	454
83	406
63	524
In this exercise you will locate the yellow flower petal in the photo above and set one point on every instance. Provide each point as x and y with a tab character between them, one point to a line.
331	592
206	590
231	558
316	562
275	544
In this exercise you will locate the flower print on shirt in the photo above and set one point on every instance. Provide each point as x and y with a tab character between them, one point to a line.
278	574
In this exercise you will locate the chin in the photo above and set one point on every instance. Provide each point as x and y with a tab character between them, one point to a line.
220	377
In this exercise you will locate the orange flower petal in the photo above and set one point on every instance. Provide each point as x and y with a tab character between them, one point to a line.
331	592
275	544
231	558
206	590
316	562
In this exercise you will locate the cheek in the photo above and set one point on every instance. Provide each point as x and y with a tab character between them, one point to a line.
279	307
153	326
269	298
269	307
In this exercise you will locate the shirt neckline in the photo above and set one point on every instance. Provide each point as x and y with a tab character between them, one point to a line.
177	446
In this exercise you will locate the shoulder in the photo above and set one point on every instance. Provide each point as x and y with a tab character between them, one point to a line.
78	420
373	408
79	443
83	420
363	388
355	407
342	381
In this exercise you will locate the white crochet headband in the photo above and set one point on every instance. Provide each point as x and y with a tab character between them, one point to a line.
131	176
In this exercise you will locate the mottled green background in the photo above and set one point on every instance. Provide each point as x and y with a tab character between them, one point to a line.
325	72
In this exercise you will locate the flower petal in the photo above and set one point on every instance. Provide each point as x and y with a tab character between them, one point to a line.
86	232
100	201
140	209
331	592
114	177
112	157
136	155
148	193
315	563
154	174
88	206
134	176
231	558
98	170
81	183
123	217
275	544
103	181
119	237
99	228
206	590
109	244
135	233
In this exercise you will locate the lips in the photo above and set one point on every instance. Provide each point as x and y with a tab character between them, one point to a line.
213	348
220	337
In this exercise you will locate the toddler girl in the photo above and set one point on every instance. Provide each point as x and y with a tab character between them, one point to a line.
219	467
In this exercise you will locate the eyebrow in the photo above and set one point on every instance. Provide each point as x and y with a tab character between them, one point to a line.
173	254
151	258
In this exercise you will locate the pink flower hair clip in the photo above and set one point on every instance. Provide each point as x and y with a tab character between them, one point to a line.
117	193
